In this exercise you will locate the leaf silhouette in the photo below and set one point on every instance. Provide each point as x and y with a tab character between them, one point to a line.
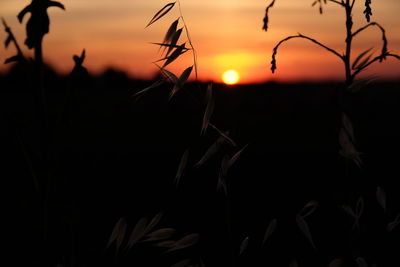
349	211
118	233
336	263
8	41
361	262
209	109
181	81
227	138
169	75
154	85
38	23
185	242
244	245
163	11
211	151
392	225
360	84
171	32
177	52
137	233
182	263
221	184
356	61
293	264
156	219
235	157
161	234
360	207
266	17
165	244
381	197
308	209
270	230
182	166
12	59
174	40
302	224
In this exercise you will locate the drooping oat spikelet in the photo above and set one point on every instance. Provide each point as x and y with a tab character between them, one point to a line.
159	235
244	245
162	12
266	18
270	230
182	166
381	197
209	108
185	242
368	11
392	225
137	233
118	234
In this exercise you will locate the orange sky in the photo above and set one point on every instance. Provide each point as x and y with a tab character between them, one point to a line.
226	33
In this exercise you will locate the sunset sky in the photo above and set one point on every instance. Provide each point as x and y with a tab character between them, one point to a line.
226	34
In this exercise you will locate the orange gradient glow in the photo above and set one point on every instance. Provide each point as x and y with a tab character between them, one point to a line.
226	34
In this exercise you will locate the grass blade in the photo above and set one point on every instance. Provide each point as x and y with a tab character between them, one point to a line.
137	233
381	197
211	151
161	234
163	11
174	40
361	262
209	109
244	245
177	52
154	221
308	209
270	230
357	60
118	234
181	81
182	263
171	32
227	138
392	225
303	225
154	85
336	263
235	157
185	242
182	166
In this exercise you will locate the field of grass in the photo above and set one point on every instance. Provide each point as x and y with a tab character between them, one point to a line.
113	156
105	173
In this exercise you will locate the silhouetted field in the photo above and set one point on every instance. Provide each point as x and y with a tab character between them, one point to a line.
115	156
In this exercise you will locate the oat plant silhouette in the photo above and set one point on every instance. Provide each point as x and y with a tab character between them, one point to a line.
352	67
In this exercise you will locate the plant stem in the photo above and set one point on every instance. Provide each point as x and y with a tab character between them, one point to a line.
349	39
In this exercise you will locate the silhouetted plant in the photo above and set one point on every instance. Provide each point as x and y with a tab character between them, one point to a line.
172	50
11	39
364	60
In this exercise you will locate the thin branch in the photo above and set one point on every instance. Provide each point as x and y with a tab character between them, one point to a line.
189	39
384	39
275	50
337	2
378	58
352	4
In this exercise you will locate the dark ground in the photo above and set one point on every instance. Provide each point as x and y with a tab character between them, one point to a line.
111	157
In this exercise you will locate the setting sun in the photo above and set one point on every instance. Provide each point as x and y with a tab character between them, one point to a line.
230	77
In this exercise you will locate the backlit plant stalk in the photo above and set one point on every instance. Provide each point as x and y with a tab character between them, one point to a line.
352	68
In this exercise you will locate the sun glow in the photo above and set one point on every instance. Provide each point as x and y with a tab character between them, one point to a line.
230	77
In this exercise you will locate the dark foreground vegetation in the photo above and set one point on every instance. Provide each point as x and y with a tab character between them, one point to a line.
112	156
